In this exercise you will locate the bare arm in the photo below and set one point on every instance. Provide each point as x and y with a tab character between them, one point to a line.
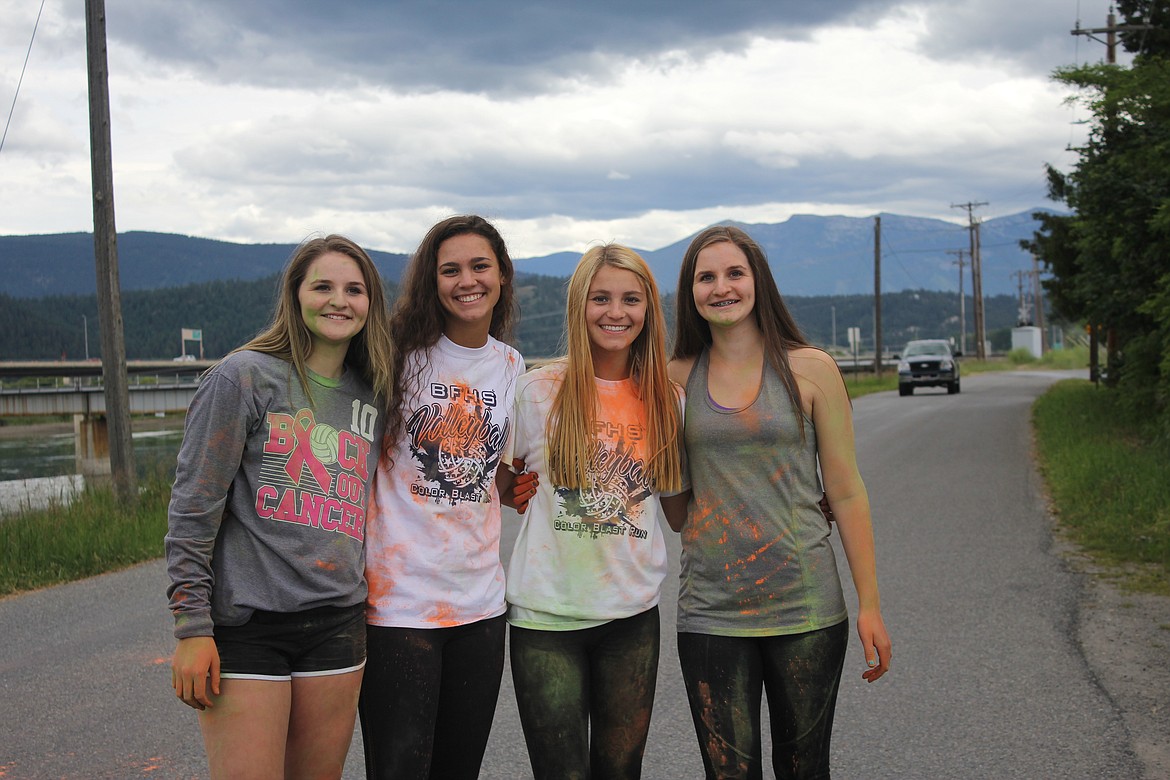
832	415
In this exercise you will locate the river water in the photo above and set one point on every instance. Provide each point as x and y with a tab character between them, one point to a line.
38	467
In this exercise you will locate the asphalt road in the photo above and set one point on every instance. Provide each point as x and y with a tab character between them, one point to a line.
987	678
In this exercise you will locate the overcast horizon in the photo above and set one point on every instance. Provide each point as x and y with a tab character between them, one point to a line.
564	124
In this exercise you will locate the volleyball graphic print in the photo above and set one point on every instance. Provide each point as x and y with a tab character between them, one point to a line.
323	439
455	444
618	487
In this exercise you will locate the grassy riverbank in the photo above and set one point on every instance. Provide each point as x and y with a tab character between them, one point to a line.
92	535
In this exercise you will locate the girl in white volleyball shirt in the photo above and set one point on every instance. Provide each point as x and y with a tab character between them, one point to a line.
436	586
601	427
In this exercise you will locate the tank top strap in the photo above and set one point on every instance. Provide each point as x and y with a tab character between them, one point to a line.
697	379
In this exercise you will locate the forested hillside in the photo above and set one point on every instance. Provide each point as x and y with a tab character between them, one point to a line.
228	313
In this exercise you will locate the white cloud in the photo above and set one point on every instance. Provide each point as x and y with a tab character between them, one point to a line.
875	106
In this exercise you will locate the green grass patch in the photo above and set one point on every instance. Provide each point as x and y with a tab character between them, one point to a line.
864	384
1107	475
93	534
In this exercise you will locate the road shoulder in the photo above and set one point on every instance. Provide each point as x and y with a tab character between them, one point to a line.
1125	639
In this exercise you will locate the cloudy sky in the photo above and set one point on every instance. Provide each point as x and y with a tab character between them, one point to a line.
565	122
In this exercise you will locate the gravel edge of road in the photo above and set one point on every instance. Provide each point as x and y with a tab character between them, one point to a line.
1124	637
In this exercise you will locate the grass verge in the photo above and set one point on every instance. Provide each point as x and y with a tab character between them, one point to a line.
1107	477
92	535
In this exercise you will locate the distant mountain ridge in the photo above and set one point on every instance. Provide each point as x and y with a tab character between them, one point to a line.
810	255
813	255
62	263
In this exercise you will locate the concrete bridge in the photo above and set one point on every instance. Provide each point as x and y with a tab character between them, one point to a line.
168	388
87	405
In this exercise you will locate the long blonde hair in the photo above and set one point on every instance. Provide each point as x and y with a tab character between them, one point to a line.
574	412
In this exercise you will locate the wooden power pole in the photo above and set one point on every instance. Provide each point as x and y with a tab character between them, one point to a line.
976	276
962	301
877	296
105	242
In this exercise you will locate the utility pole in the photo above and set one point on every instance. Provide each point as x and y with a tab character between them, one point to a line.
1038	304
105	242
877	296
976	276
1022	317
1110	31
962	301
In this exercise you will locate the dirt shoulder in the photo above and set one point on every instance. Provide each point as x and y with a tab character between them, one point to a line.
1125	639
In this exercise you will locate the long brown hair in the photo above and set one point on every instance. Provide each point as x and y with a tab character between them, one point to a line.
776	323
287	336
418	318
574	412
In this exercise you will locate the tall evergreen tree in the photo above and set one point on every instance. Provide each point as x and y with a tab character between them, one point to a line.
1110	258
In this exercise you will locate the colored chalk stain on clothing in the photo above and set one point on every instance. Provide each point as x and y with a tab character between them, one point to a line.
591	554
756	555
432	541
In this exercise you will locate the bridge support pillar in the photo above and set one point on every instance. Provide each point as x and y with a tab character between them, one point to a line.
91	445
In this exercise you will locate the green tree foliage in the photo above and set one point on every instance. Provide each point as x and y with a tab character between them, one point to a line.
1110	258
1150	20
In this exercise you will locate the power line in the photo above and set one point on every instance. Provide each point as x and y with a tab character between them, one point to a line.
20	81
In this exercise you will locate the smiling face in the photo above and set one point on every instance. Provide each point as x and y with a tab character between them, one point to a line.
615	313
334	301
723	286
469	283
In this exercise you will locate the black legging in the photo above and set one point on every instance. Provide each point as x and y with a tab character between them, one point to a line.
800	672
428	699
585	697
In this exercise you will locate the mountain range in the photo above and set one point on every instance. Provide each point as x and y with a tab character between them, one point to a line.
810	255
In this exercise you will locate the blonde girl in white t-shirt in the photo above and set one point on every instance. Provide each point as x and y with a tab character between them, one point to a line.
601	426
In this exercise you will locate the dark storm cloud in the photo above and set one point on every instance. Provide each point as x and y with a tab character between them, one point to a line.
505	46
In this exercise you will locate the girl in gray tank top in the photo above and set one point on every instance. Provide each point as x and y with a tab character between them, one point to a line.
760	600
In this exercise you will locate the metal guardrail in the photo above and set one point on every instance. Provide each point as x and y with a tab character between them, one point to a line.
144	399
79	368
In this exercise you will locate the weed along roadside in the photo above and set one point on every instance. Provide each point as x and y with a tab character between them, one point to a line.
1106	471
54	528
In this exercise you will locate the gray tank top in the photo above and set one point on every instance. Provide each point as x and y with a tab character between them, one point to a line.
756	556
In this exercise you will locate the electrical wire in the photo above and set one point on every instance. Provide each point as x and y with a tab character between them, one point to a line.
20	81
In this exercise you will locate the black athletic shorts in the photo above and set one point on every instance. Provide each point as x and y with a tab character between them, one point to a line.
283	645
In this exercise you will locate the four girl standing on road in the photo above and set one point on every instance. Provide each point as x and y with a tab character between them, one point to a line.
602	425
269	467
267	520
760	601
436	604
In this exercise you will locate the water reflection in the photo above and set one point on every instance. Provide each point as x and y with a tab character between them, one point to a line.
40	467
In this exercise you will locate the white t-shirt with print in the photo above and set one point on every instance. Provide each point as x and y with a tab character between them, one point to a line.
584	557
433	533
